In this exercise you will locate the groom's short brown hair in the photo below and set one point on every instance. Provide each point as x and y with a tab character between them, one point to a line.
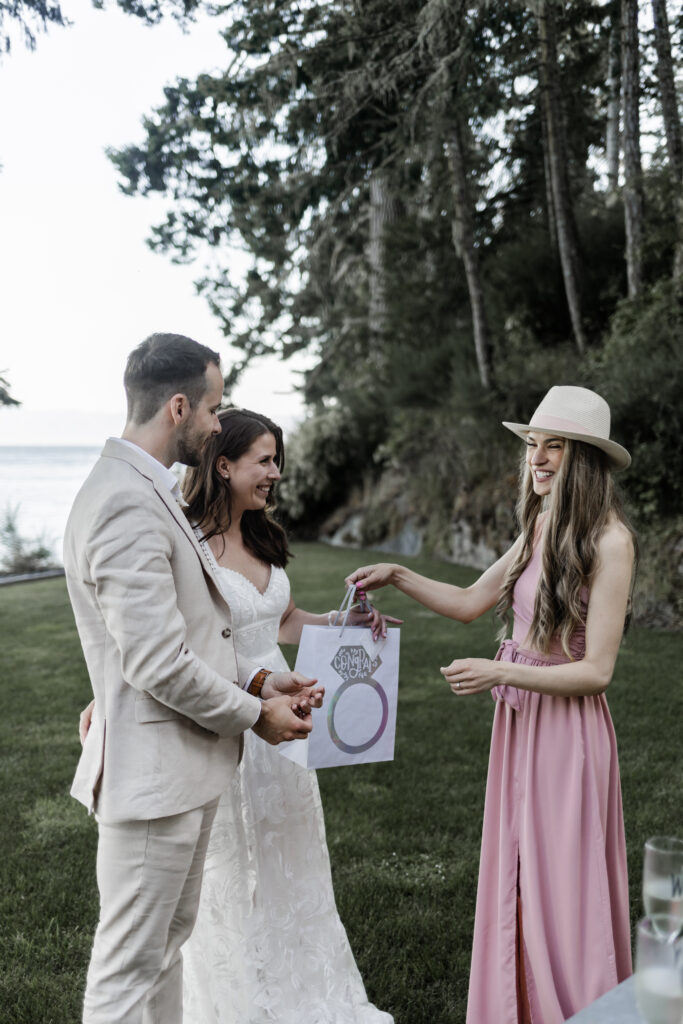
164	365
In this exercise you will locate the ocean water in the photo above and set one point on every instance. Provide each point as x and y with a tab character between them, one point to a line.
41	484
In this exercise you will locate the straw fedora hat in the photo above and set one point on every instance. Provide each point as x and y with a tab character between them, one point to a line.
577	413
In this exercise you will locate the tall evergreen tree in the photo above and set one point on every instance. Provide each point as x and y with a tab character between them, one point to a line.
672	122
464	238
633	172
612	132
565	224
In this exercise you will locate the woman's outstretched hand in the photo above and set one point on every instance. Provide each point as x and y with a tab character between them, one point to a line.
371	577
472	675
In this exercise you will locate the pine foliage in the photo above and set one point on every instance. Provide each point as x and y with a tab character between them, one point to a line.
420	194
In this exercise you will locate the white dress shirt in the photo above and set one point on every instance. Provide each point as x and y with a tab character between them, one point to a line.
168	476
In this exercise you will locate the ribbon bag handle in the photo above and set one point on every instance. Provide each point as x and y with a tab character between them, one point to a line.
345	607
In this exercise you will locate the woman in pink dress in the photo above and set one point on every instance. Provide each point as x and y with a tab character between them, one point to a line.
551	932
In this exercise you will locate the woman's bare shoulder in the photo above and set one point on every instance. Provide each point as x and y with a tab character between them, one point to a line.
616	540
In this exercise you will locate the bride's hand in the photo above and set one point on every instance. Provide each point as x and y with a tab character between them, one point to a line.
373	620
308	700
372	577
84	720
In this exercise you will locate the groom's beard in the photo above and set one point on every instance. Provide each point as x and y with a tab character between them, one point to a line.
190	445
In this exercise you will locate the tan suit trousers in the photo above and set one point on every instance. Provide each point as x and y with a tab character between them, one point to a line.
149	875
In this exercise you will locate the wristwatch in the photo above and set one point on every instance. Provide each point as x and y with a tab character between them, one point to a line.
257	681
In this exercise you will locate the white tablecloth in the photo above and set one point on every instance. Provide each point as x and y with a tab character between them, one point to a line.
618	1006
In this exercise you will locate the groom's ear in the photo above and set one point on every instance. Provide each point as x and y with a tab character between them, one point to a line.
179	408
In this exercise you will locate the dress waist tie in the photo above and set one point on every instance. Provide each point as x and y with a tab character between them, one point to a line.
510	694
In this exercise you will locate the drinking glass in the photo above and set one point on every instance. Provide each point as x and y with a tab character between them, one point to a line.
663	880
659	972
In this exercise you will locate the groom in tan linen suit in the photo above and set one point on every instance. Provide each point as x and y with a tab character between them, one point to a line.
171	701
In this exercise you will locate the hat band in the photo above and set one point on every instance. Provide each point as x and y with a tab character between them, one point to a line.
557	423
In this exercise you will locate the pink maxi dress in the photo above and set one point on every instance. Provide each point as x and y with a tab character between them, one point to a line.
553	834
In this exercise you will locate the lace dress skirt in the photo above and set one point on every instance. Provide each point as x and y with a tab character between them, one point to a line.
268	945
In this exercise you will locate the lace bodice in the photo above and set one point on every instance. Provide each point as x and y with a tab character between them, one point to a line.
255	615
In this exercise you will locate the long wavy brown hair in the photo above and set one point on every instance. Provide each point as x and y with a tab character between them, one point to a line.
208	495
582	500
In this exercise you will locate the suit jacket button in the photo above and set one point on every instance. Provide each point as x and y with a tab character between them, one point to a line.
226	632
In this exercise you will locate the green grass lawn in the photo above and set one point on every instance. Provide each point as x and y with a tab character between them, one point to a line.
403	836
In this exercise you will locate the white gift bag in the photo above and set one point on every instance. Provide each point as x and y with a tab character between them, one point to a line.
357	722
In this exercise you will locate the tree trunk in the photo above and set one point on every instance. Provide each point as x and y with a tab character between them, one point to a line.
672	124
667	88
383	210
633	174
545	140
463	239
567	237
613	102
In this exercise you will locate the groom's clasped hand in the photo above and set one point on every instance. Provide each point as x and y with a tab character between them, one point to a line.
278	692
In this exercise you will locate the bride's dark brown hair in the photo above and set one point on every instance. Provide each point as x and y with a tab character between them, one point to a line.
208	494
582	500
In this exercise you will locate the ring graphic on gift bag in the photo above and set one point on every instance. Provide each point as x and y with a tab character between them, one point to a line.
355	666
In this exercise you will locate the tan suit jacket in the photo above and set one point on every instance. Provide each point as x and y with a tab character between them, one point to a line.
156	635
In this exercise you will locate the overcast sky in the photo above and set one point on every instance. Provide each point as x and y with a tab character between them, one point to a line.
78	286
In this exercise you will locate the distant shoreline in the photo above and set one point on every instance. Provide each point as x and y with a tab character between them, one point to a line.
28	577
39	484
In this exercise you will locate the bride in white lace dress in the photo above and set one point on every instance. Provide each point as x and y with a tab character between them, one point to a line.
268	945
